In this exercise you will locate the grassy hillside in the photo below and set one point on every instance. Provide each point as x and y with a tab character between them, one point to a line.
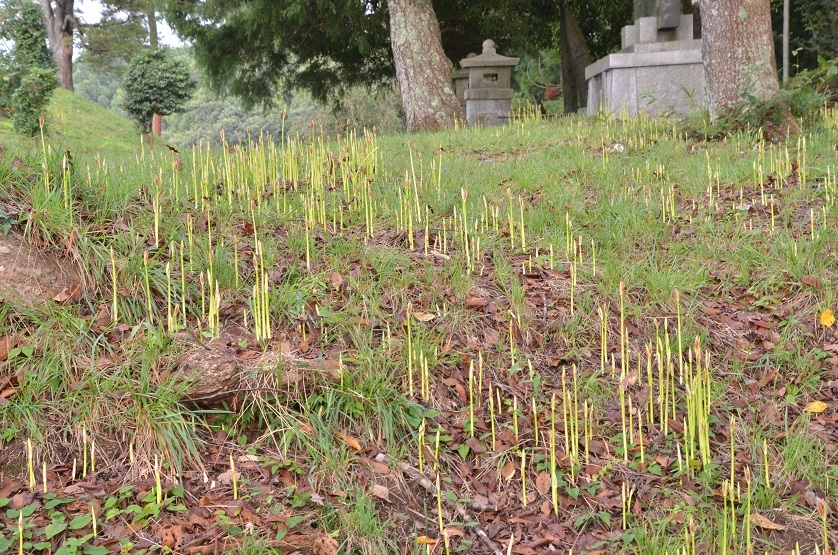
77	124
578	336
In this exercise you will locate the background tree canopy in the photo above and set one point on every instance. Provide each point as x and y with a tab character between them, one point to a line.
252	47
27	72
156	83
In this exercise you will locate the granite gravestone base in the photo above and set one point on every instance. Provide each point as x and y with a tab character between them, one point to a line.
658	71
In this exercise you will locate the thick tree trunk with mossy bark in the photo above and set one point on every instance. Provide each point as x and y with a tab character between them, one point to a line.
738	51
60	22
423	72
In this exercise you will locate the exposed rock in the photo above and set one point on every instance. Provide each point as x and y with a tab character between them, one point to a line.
213	374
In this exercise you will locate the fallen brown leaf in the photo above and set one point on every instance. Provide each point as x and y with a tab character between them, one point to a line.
424	316
351	442
382	492
324	544
542	483
811	281
7	343
377	467
763	522
508	471
70	293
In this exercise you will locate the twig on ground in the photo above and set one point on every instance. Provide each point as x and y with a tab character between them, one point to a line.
429	486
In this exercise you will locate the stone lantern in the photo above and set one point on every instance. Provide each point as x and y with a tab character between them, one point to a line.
460	78
489	94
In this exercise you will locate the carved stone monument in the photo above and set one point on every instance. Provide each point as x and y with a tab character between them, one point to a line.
460	78
489	94
659	69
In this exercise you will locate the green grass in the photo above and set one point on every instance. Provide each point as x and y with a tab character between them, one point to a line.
83	127
373	269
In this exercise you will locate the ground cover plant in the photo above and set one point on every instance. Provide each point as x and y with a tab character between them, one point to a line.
575	335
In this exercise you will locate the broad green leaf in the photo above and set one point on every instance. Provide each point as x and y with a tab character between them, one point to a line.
293	521
80	522
54	529
56	501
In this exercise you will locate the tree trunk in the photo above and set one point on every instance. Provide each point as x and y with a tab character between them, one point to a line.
154	42
575	58
423	72
153	39
738	51
60	23
157	125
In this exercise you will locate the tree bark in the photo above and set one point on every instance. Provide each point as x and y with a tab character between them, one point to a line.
575	58
157	125
153	39
738	51
423	72
154	42
60	23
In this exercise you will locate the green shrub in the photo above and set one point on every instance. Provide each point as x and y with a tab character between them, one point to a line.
28	71
31	97
156	83
801	97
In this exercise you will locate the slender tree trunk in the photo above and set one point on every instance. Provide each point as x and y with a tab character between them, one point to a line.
738	51
60	23
786	40
575	58
157	124
423	72
153	39
154	42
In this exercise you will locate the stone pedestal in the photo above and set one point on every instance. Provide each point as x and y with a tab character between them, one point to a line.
489	94
658	71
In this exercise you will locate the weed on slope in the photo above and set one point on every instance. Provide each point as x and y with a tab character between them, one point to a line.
587	336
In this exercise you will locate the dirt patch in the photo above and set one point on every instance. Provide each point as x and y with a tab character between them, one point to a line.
29	275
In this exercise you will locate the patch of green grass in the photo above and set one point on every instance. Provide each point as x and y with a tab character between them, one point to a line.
81	126
490	273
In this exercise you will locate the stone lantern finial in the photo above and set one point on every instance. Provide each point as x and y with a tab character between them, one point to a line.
489	47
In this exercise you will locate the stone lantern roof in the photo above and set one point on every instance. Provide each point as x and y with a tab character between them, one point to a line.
489	58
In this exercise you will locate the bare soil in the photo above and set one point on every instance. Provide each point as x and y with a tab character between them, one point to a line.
30	275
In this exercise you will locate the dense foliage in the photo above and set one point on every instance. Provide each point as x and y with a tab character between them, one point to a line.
102	86
813	32
27	72
251	48
156	83
126	28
